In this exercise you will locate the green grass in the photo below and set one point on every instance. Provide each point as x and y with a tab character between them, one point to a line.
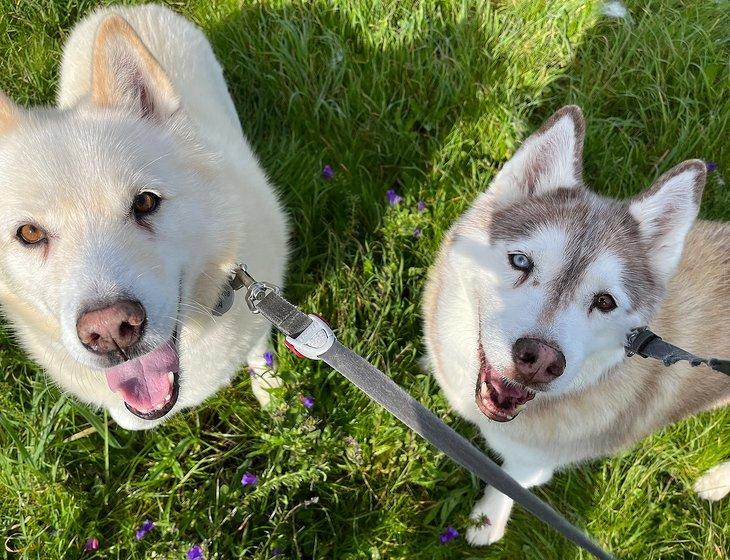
427	98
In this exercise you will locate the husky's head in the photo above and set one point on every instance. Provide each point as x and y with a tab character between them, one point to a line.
557	274
99	203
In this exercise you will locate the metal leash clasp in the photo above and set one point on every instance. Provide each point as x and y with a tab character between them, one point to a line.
311	343
636	339
255	291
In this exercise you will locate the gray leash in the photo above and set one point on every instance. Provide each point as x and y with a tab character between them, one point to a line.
309	336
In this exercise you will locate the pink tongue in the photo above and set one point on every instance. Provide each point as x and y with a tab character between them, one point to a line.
144	382
505	391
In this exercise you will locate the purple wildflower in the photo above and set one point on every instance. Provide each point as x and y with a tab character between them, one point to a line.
417	232
710	166
393	197
269	359
328	172
307	401
421	206
145	528
276	552
249	479
195	553
448	535
91	545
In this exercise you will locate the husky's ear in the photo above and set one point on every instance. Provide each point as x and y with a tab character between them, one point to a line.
666	212
9	113
126	75
549	159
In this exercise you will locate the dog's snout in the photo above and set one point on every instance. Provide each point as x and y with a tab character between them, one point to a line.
112	328
537	361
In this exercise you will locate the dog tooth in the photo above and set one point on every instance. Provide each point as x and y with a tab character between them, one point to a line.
171	377
520	407
167	398
484	389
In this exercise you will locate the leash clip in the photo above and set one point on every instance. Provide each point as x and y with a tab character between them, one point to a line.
313	341
255	291
636	339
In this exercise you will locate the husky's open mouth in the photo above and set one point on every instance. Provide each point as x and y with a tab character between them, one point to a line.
497	398
149	384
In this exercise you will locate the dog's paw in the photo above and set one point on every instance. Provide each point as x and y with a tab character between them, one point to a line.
484	534
261	367
714	485
262	381
490	516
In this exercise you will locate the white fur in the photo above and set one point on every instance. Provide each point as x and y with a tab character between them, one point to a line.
74	171
715	483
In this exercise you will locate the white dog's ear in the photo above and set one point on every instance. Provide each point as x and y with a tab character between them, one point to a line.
9	113
126	75
549	159
666	212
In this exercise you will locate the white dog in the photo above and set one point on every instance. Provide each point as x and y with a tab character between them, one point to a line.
531	298
124	211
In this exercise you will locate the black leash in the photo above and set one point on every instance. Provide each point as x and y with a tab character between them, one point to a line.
310	337
642	342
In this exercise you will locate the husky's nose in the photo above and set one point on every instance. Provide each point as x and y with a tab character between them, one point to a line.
113	328
536	361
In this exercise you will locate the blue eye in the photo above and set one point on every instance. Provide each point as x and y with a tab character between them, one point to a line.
519	261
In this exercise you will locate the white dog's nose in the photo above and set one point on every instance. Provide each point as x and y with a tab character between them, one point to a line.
113	328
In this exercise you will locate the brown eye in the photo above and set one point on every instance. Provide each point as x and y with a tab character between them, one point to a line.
145	203
604	303
30	234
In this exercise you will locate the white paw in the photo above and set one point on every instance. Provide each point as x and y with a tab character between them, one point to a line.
714	485
493	512
263	379
484	535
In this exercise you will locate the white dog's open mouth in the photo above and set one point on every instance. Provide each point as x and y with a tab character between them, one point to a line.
497	398
149	384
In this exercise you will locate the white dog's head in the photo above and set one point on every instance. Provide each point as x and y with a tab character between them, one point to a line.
101	204
558	274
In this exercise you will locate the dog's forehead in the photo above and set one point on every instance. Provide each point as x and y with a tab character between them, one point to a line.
592	226
59	159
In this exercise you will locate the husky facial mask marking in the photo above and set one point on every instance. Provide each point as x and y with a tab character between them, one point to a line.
110	250
559	274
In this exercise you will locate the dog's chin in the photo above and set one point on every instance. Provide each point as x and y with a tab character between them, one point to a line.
498	398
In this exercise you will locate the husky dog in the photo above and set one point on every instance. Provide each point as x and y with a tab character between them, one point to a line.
535	288
125	208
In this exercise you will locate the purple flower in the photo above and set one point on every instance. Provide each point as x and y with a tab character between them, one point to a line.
195	553
421	206
307	401
249	479
91	545
328	172
393	197
710	166
145	528
417	232
448	535
276	552
269	359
